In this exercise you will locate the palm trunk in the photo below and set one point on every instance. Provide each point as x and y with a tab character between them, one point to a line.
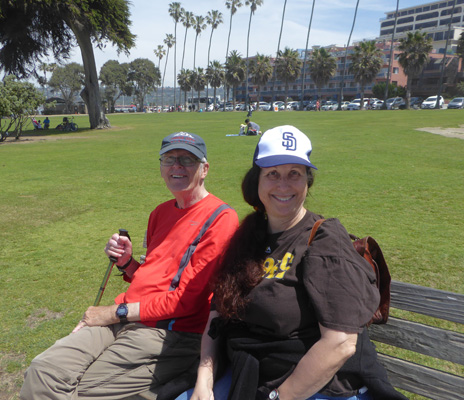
182	64
387	82
342	83
207	83
277	55
175	57
305	57
247	62
162	83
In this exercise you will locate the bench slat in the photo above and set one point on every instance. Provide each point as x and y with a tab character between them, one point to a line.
432	302
424	381
427	340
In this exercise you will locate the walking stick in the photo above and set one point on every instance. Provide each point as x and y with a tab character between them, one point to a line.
113	260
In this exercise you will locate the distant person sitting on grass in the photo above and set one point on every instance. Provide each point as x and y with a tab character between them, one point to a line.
46	123
151	333
252	128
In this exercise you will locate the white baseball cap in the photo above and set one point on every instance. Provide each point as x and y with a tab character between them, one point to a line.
283	145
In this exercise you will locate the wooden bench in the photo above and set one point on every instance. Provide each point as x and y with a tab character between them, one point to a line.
432	341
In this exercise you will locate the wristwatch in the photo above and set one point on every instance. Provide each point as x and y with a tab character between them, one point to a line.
121	313
274	395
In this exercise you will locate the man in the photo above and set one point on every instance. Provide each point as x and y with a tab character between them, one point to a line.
252	128
152	333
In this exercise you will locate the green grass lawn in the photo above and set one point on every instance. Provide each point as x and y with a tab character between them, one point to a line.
62	198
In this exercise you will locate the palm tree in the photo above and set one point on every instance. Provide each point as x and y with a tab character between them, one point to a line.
288	68
235	71
415	49
215	75
44	67
442	74
366	63
175	11
199	26
198	80
169	42
160	53
232	5
213	18
254	4
322	67
187	20
261	72
342	81
277	52
303	79
387	83
184	78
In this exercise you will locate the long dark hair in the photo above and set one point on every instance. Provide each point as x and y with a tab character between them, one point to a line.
242	266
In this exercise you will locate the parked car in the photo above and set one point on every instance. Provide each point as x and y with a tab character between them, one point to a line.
430	102
356	104
415	102
264	106
311	105
294	105
229	107
280	105
457	102
393	103
377	105
329	105
344	105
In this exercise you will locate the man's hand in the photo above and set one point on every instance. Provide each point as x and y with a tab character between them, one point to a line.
119	247
98	316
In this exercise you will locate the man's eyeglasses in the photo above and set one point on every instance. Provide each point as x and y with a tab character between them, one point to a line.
185	161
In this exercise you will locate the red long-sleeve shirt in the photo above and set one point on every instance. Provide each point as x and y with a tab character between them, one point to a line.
170	233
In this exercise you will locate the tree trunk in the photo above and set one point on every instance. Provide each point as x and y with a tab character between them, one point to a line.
91	92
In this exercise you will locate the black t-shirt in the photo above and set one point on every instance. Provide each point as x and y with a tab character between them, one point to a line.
327	283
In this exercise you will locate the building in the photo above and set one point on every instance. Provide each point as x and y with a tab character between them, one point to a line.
351	89
432	18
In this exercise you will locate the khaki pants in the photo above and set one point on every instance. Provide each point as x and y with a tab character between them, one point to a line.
114	362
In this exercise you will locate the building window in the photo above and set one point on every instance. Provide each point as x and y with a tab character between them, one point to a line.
405	28
405	20
396	70
438	36
430	15
430	24
387	23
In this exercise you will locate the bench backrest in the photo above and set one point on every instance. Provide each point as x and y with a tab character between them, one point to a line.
433	341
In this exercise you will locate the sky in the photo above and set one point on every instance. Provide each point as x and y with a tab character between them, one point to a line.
331	24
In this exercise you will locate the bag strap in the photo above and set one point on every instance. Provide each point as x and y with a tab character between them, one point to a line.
314	229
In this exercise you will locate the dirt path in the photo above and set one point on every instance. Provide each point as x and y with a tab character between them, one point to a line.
448	132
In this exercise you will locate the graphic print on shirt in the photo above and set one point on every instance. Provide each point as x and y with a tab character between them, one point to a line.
276	269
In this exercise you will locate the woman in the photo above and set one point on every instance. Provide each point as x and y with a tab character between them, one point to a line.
293	316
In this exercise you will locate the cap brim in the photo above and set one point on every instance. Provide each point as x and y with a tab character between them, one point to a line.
182	146
272	161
